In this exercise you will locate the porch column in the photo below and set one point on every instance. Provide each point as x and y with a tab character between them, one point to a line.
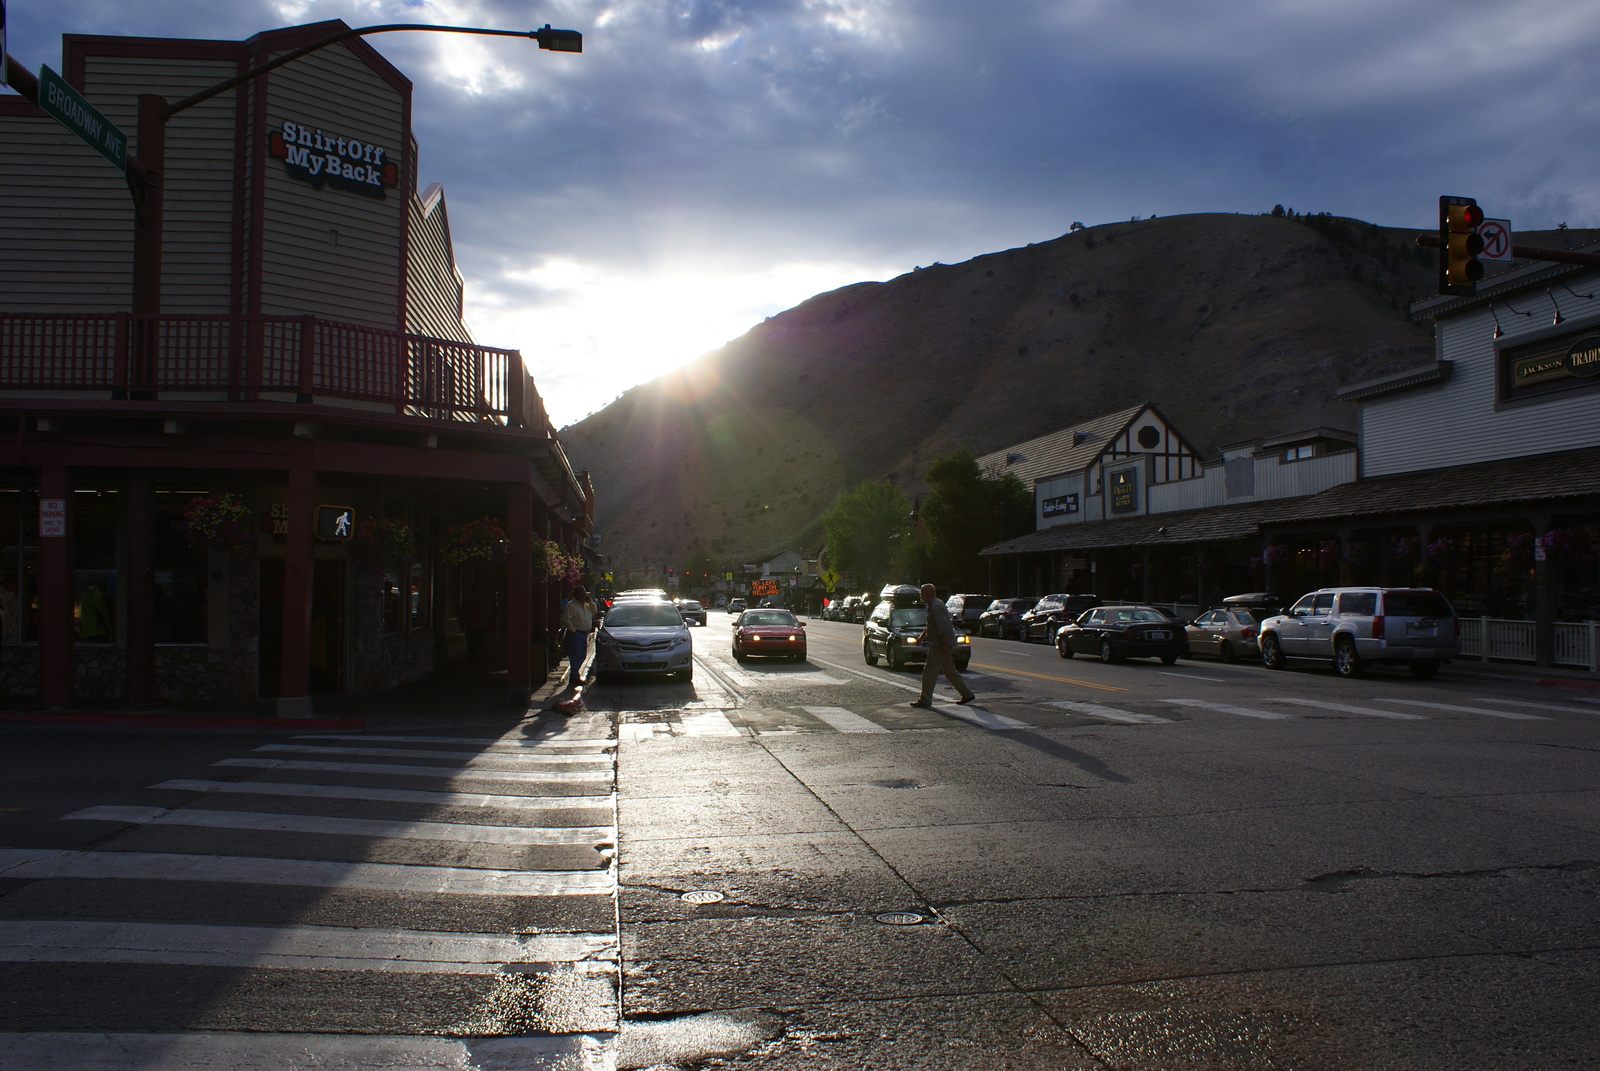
57	654
519	595
299	560
1347	572
138	588
1544	596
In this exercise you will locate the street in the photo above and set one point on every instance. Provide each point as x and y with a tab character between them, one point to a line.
783	865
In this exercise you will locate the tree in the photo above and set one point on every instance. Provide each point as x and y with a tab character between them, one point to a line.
866	529
964	512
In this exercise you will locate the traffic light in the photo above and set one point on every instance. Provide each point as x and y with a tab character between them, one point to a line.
1459	244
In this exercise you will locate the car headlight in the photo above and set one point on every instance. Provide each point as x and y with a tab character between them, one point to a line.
794	639
912	640
964	639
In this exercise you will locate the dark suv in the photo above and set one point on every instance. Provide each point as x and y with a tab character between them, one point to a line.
966	609
1004	617
894	631
1053	611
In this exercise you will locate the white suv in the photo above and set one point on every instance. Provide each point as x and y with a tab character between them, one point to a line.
1357	627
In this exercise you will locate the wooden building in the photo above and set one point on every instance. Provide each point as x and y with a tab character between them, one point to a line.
309	353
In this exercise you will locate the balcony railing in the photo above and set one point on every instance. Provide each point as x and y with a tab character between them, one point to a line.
256	358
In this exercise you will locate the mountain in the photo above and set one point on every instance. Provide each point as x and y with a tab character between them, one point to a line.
1237	327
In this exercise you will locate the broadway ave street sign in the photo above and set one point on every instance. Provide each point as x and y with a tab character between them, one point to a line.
69	108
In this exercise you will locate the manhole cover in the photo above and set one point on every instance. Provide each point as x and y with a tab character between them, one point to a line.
701	896
899	918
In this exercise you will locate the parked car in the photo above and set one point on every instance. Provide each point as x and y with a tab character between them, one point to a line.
893	631
862	607
1003	618
1053	611
735	606
1128	630
966	609
1227	632
692	610
641	635
769	633
1357	627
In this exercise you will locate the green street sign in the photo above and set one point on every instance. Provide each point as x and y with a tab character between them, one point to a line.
69	108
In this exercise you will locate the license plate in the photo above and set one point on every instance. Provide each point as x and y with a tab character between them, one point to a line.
1418	630
1158	635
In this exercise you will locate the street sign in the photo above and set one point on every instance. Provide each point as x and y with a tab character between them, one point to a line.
335	523
830	579
52	518
1496	235
70	108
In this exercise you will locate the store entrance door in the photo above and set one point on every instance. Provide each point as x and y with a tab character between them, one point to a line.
328	617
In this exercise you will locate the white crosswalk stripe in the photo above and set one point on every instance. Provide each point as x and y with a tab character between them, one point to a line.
543	741
453	773
478	757
844	721
1346	708
1111	713
389	795
1534	706
983	719
1229	708
352	827
1455	708
708	723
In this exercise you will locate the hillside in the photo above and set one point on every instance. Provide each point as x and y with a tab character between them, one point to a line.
1236	326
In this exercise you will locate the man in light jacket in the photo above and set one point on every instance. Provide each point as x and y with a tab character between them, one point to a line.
577	619
939	638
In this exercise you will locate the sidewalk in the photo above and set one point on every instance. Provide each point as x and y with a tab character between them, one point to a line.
1561	677
450	697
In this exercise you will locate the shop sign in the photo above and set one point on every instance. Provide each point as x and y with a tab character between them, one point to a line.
324	159
1539	369
1583	359
1055	507
1125	491
52	518
335	523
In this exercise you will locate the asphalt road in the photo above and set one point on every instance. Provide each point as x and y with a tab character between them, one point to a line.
784	865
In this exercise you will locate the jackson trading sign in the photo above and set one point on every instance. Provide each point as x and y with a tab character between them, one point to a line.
324	159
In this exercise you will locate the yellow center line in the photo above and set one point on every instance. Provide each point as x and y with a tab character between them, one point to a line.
1049	677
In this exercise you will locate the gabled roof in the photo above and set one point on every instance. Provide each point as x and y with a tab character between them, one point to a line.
1071	450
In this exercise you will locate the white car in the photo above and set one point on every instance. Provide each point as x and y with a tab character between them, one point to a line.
644	636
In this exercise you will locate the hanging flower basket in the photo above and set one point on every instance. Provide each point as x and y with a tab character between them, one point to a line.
1358	553
381	545
1406	550
475	542
552	563
1275	554
1518	552
1442	552
221	521
1328	553
1561	545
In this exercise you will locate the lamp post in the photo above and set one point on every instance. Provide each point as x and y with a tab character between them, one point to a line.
146	171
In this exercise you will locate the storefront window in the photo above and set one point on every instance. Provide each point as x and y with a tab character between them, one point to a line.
19	546
94	561
181	588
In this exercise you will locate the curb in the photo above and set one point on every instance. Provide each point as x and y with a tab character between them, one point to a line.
1563	682
179	722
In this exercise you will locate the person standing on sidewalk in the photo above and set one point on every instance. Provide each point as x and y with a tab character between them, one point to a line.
577	620
939	639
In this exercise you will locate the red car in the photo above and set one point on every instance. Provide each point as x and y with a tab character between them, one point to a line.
769	633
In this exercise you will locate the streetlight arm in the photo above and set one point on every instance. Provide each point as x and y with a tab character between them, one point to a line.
554	40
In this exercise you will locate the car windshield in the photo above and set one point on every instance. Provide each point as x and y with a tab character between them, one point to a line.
768	617
909	618
1416	604
690	604
636	613
1137	615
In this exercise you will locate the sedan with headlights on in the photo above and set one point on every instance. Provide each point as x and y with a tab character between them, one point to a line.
643	636
769	633
1128	631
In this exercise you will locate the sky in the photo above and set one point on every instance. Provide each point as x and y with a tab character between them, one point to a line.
705	164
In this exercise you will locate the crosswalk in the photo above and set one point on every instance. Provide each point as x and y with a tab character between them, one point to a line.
754	720
253	924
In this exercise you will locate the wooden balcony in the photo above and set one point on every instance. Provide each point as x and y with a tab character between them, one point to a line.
175	358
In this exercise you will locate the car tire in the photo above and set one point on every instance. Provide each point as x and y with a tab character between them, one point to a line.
1271	653
961	667
894	659
686	674
868	654
1108	653
1063	648
1424	671
738	655
1229	655
1346	662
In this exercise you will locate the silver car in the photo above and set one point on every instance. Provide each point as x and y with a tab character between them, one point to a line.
1357	627
644	636
1227	633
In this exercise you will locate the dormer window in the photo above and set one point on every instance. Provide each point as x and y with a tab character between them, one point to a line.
1297	453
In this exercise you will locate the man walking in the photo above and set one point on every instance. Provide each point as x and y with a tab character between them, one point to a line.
577	618
940	639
